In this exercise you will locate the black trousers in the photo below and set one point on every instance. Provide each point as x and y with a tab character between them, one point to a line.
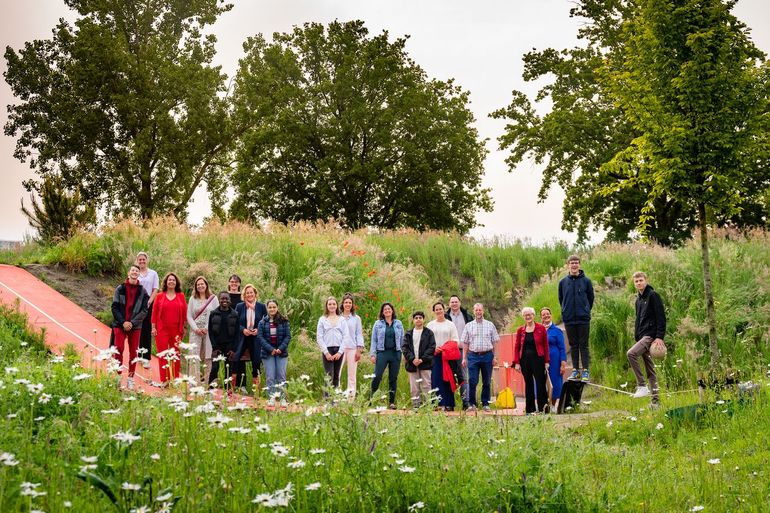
391	360
578	344
255	354
229	364
333	368
145	338
533	370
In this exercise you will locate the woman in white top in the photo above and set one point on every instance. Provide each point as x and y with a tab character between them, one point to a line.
151	284
202	303
331	334
443	330
353	346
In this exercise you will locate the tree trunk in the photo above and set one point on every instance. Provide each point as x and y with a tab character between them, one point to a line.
711	317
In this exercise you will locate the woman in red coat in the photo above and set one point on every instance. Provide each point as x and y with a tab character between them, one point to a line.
169	314
530	355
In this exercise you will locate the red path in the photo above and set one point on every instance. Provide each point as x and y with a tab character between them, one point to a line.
65	323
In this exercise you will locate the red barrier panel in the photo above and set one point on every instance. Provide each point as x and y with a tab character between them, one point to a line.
504	374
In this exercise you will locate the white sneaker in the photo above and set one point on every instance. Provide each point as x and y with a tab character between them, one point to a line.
642	391
271	402
145	363
130	385
284	404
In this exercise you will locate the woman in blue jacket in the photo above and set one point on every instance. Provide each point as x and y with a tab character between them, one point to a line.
273	335
387	336
557	353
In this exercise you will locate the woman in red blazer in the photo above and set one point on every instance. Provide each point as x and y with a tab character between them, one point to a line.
169	314
530	355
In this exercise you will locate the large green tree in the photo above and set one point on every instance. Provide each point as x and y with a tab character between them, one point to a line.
125	105
696	90
585	128
346	126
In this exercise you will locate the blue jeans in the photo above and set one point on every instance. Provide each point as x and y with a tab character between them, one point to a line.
275	370
481	363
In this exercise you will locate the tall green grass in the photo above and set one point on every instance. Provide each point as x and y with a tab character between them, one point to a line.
741	272
60	438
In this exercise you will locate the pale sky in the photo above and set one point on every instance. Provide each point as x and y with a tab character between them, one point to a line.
478	44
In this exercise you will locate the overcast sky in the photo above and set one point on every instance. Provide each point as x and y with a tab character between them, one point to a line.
480	45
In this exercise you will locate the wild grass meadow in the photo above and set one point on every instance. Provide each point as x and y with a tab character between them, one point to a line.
71	441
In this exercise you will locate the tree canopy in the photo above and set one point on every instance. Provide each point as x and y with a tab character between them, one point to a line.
124	106
695	88
347	126
587	127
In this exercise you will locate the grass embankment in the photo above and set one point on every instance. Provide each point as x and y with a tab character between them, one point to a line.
71	442
741	277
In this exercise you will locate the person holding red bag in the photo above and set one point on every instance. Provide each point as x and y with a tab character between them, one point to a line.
531	357
169	315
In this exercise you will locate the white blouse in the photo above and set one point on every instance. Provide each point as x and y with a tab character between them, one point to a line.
443	331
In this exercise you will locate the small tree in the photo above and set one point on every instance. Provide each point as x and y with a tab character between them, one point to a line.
690	83
60	213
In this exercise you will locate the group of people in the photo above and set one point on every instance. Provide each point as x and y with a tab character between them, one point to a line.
441	357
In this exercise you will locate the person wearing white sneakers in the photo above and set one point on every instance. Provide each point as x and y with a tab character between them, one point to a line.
129	308
649	328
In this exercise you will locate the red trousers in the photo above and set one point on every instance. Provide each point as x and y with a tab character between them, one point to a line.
133	344
164	340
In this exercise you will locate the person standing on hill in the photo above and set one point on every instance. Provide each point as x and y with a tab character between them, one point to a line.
223	333
479	338
151	283
387	340
460	317
444	331
649	328
129	308
201	304
576	297
250	312
557	354
419	346
353	346
169	316
331	334
274	336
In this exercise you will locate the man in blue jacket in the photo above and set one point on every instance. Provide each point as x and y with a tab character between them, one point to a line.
576	297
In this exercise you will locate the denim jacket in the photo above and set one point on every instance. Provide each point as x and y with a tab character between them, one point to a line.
378	336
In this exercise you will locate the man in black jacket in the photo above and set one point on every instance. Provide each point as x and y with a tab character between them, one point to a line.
418	348
650	327
223	332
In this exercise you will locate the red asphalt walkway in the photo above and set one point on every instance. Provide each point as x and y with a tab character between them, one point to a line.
65	323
